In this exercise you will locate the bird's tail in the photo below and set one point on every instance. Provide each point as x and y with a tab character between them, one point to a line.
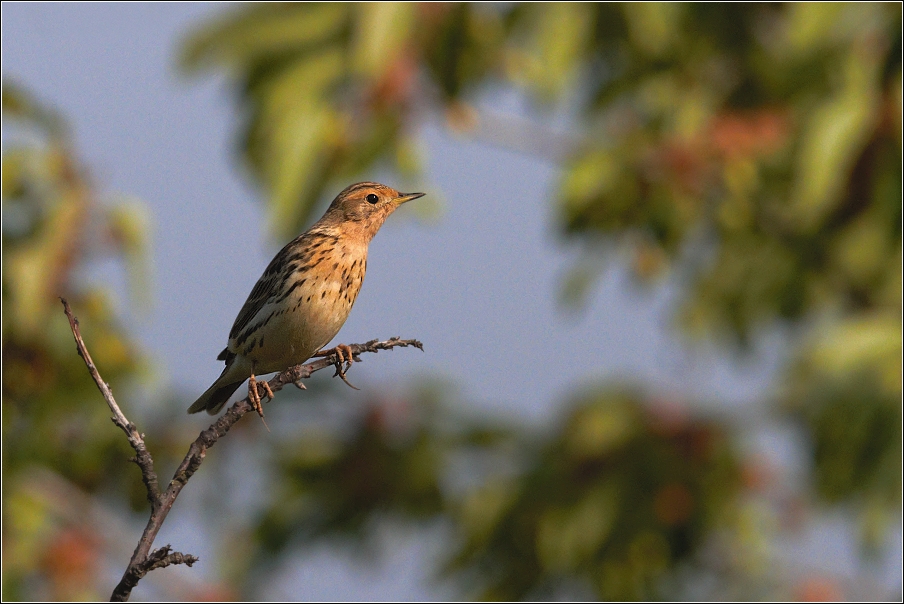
217	395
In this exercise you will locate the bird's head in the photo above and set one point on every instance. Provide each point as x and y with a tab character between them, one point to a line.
363	207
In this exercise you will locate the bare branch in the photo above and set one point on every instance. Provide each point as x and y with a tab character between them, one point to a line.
142	458
143	560
302	372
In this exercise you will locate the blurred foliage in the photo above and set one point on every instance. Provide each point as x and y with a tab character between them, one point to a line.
754	148
622	491
335	483
845	388
612	500
771	133
53	228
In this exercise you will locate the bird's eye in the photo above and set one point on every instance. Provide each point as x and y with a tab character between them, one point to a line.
372	198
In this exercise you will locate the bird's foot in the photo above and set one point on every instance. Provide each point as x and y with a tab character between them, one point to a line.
254	395
344	359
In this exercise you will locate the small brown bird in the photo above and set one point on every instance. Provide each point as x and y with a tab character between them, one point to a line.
305	294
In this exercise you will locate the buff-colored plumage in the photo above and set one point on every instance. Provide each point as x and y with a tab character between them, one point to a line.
306	293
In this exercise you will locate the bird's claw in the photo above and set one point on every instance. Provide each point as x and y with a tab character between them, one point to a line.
341	374
344	356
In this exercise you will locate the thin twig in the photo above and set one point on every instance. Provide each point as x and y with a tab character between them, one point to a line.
142	457
143	560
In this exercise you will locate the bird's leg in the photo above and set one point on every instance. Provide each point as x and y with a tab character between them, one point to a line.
254	395
344	356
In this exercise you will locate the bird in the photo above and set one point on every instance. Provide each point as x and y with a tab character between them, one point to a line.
304	296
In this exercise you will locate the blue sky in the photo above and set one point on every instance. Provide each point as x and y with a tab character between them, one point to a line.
478	284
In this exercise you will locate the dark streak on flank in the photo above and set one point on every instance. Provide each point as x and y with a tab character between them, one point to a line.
286	293
247	332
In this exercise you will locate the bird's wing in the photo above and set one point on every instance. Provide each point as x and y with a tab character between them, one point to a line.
257	299
267	287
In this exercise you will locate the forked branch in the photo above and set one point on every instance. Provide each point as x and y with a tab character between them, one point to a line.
143	559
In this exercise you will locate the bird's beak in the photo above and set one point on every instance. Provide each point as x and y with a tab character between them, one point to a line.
403	197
